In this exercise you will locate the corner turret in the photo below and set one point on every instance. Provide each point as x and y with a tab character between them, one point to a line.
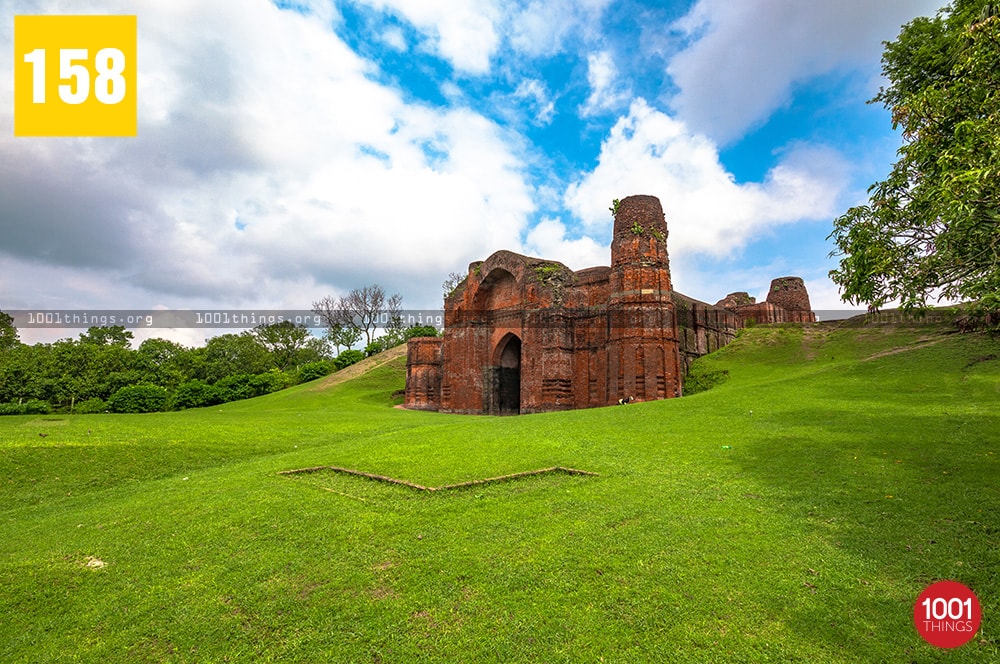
643	361
640	232
789	293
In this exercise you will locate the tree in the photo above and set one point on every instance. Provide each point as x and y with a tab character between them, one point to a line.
339	335
451	283
340	330
317	350
8	333
229	354
164	362
115	335
287	342
394	330
932	227
195	394
365	309
19	373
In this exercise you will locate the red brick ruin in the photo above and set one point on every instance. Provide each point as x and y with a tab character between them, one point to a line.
527	335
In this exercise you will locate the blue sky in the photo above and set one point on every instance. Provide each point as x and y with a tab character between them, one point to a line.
291	150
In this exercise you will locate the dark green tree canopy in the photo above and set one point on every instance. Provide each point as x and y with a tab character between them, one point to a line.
288	343
115	335
932	227
8	333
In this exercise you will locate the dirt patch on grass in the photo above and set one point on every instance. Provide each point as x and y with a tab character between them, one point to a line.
93	562
424	621
306	590
813	337
362	367
920	343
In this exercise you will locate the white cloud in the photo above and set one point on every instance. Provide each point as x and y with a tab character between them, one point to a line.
542	27
537	95
470	34
336	180
606	93
464	33
548	240
824	295
744	58
711	280
394	37
648	152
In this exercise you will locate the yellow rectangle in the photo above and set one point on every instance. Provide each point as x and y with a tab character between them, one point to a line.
75	76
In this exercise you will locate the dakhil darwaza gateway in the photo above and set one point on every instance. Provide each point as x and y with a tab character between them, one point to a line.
528	335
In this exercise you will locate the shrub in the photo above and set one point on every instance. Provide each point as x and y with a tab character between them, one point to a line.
195	394
11	409
244	386
376	347
701	380
420	331
138	399
235	387
313	370
347	358
36	407
90	406
269	381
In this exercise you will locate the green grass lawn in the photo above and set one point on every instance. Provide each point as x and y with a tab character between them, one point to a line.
794	512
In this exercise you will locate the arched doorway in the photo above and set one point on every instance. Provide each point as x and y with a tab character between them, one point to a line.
502	378
509	376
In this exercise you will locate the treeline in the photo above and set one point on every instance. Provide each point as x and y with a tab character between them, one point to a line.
101	372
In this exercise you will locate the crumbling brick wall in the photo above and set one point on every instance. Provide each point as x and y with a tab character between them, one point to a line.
527	335
423	373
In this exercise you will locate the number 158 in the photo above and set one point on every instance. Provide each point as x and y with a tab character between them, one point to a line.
109	84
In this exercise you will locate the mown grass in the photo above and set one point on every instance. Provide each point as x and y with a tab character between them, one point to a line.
792	513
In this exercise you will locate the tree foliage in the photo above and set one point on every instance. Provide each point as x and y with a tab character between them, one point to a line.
138	399
290	345
195	394
932	227
314	370
8	333
97	371
100	371
451	283
364	309
347	358
339	335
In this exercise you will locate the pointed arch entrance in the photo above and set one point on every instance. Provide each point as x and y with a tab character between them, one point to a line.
503	386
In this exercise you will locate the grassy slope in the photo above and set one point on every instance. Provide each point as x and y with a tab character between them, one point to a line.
802	532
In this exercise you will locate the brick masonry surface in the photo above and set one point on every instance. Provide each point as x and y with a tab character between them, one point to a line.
528	335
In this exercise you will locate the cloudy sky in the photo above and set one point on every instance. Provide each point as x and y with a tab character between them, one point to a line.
291	149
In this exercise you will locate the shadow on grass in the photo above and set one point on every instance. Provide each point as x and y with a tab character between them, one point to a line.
903	502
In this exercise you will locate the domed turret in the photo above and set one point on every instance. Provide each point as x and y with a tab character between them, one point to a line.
789	293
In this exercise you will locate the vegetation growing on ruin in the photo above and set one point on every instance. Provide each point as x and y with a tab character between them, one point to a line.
548	271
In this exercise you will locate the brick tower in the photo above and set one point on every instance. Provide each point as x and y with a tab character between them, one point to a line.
790	294
643	359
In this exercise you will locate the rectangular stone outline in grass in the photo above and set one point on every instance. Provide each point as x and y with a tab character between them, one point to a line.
460	485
